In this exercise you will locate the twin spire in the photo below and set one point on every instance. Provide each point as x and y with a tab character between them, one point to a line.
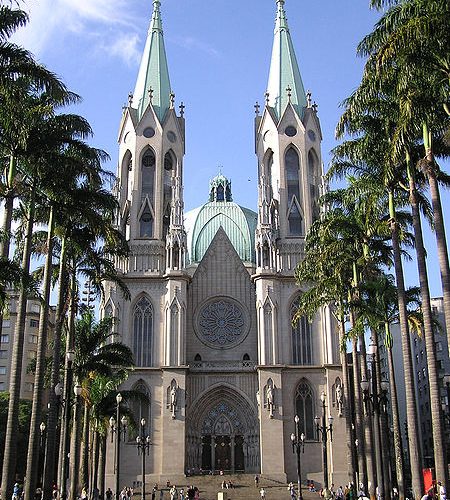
285	83
153	83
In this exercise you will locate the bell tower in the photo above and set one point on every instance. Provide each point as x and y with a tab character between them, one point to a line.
150	173
287	142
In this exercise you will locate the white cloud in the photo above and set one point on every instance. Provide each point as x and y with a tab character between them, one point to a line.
191	43
51	20
126	47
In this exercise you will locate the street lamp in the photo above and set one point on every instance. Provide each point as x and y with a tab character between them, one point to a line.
76	449
42	428
65	402
298	446
118	427
143	443
323	431
376	402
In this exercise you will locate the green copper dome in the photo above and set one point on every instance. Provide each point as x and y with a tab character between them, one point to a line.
239	223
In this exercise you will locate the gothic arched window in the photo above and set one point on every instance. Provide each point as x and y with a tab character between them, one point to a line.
292	174
295	220
148	174
169	169
313	166
146	223
141	407
304	408
143	332
301	339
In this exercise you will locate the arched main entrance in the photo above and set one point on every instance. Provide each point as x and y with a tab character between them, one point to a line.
223	433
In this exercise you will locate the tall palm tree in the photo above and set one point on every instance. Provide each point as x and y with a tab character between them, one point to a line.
96	354
426	62
71	166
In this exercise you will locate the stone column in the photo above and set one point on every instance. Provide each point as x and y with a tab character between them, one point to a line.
213	452
232	453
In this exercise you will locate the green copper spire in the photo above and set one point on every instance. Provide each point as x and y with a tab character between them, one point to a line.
153	78
285	82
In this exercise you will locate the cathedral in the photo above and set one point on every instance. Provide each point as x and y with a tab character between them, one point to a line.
213	291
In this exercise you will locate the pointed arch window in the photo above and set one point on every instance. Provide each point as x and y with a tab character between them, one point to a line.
313	167
146	223
304	408
141	407
169	169
148	174
143	332
295	219
301	339
292	174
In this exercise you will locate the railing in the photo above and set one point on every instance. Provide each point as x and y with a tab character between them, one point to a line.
222	366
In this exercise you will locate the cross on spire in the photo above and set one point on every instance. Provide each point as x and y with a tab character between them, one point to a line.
182	107
150	94
257	108
172	99
308	98
289	92
130	98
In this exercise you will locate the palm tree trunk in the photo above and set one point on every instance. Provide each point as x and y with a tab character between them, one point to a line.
359	431
384	430
8	209
70	345
95	461
369	447
102	466
435	399
12	426
84	475
351	456
399	464
441	240
50	477
411	408
36	412
5	240
75	451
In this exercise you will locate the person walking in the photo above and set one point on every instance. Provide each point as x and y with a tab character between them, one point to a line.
173	493
262	493
256	481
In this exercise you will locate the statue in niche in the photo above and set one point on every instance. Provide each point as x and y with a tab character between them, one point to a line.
173	398
339	399
269	398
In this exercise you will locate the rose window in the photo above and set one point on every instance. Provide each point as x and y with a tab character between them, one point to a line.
221	322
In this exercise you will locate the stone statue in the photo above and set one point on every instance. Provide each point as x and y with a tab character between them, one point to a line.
269	396
173	399
339	399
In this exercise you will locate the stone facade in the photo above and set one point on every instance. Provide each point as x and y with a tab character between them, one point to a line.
211	306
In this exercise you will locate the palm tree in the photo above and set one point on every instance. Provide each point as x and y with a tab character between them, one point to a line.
426	62
72	165
95	355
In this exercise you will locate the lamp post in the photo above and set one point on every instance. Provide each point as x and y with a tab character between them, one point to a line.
143	443
323	431
65	401
42	428
376	402
119	428
298	446
75	449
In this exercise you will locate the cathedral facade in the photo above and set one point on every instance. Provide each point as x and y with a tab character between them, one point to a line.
213	290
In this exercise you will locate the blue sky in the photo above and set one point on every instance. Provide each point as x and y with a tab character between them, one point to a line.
219	53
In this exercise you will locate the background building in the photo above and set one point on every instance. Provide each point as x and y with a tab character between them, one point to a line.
30	343
213	291
420	382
